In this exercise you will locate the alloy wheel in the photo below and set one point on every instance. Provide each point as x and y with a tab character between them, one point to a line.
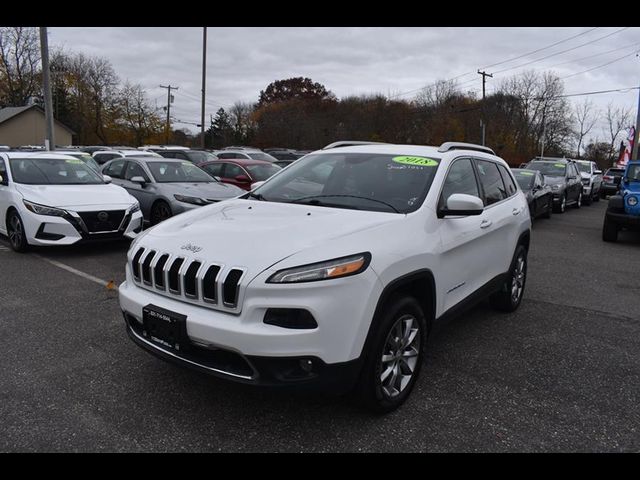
400	355
517	279
15	231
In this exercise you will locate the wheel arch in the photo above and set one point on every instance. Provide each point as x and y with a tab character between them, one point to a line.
419	284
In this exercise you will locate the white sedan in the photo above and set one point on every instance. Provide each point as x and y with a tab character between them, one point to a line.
52	199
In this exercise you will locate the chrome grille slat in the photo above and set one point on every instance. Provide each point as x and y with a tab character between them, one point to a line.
191	280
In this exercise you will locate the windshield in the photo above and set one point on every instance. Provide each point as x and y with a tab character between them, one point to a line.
524	179
49	171
584	167
549	169
177	172
633	173
262	156
359	181
262	172
198	156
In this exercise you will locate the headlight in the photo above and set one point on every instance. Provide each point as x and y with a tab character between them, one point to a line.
43	209
585	181
134	208
555	187
336	268
193	200
632	201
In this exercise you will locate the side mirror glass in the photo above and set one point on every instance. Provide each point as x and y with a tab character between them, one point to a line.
461	204
107	178
139	179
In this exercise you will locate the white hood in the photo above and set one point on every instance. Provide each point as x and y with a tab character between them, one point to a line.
256	234
77	197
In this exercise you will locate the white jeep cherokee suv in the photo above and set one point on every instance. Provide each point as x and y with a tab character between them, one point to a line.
333	271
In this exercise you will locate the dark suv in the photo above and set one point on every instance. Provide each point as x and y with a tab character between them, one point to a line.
611	181
563	176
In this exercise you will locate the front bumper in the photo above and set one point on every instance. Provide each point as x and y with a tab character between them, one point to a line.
44	230
624	220
609	189
299	372
342	308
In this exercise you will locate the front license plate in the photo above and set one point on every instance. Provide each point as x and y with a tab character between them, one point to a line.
165	327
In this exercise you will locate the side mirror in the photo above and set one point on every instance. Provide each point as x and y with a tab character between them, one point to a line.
140	180
2	180
242	179
107	178
255	185
461	204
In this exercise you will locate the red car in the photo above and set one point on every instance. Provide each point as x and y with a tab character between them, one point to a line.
239	171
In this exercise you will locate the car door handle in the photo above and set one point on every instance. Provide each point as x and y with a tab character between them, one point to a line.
485	223
516	211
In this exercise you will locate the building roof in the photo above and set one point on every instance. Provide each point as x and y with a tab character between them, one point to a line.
8	113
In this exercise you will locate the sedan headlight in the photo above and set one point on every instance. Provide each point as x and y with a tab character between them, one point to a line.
632	201
192	200
134	208
43	209
336	268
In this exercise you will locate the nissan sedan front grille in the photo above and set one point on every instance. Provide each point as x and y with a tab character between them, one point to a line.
190	280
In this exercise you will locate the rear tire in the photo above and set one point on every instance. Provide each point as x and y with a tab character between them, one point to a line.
395	356
609	231
508	298
15	232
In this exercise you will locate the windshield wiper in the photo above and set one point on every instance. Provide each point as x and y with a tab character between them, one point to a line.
297	200
257	196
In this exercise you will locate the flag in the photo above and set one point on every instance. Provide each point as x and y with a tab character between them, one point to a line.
625	154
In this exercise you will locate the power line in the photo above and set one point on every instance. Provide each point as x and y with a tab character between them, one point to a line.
540	49
597	92
600	66
560	53
593	56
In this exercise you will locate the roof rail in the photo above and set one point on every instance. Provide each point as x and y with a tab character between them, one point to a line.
448	146
351	143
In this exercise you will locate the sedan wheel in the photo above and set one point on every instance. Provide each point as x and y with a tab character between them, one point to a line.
160	212
16	233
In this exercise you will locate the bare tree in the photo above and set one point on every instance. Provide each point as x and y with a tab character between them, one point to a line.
618	120
19	65
585	117
437	94
137	115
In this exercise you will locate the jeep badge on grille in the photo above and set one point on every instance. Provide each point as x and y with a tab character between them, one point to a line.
191	248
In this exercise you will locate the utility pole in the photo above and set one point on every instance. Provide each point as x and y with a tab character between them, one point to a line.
49	141
544	132
168	126
634	153
484	81
204	83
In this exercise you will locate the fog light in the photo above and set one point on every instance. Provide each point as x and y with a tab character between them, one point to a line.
633	201
306	365
296	318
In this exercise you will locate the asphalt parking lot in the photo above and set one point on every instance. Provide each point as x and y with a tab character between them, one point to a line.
561	374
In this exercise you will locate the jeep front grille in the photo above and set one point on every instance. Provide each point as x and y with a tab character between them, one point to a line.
190	280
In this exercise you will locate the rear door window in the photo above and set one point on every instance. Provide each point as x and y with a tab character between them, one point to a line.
491	181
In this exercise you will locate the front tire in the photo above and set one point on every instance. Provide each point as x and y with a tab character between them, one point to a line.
609	231
549	210
510	295
160	212
562	205
15	232
396	354
589	199
578	203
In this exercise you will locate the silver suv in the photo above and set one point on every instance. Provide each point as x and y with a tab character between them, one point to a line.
591	177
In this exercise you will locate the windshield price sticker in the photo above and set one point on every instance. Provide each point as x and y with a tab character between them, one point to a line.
75	161
528	174
561	165
416	161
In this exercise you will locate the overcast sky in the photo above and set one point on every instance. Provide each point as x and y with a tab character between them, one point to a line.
394	61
